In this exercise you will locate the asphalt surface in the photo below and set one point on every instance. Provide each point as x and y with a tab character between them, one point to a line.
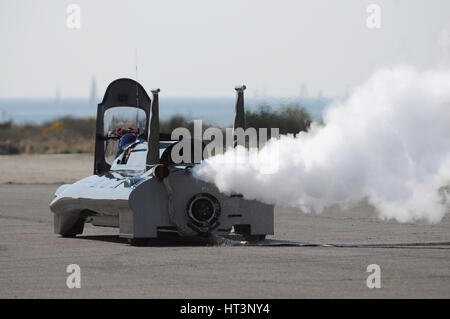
33	260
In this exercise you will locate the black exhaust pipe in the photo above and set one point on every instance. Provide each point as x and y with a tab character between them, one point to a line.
239	112
153	132
239	115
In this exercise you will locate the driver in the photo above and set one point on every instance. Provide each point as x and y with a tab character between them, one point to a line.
126	140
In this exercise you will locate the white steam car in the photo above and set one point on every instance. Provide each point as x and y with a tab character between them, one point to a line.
136	186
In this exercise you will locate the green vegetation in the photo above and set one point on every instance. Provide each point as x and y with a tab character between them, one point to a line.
290	118
69	135
66	135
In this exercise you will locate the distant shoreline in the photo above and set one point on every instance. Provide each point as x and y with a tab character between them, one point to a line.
76	134
214	110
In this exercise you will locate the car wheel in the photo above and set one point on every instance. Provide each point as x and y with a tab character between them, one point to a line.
138	242
244	230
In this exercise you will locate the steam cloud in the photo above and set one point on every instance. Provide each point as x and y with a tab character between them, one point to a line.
388	142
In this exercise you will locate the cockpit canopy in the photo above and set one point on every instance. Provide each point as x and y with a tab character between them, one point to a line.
122	125
122	131
125	108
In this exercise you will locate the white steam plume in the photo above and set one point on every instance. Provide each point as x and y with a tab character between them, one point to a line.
388	142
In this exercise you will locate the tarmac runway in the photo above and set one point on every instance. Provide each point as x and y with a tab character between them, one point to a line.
33	260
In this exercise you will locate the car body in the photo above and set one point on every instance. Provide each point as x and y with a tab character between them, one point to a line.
143	193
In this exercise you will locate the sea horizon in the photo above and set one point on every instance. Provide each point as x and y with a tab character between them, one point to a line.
212	110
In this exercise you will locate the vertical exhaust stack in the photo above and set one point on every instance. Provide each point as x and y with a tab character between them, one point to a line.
239	115
239	112
153	132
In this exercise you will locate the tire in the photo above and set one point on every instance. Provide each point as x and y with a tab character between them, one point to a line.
138	242
68	227
245	230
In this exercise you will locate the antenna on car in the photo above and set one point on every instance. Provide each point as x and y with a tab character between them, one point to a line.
136	65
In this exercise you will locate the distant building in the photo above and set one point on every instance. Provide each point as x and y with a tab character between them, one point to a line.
93	98
320	95
303	90
58	96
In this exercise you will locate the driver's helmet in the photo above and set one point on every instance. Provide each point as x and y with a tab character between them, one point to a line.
126	141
